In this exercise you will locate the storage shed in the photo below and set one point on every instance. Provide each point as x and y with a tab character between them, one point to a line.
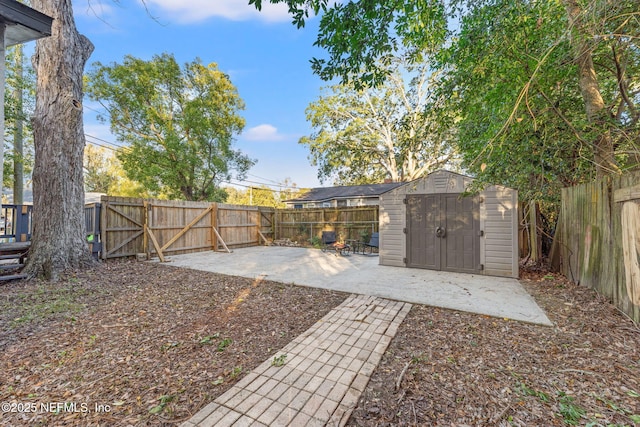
430	223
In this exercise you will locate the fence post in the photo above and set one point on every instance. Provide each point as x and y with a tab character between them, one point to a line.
22	223
92	228
103	227
214	225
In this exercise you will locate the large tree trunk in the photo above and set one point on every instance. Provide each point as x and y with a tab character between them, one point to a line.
59	240
604	157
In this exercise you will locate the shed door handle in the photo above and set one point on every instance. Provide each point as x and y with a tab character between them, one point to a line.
440	232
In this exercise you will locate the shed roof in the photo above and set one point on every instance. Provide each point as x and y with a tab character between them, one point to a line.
346	191
23	23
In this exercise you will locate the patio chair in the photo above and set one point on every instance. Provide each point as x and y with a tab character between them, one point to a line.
374	244
329	242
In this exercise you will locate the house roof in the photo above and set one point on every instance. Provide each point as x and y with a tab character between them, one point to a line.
23	23
346	192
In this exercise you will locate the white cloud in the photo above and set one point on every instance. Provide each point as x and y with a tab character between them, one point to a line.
235	10
263	133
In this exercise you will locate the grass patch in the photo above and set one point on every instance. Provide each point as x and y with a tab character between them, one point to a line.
42	302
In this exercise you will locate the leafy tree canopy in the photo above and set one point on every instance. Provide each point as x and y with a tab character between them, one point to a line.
517	87
263	195
371	134
359	36
179	124
103	173
543	94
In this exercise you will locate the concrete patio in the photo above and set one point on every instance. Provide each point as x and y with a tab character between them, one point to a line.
360	274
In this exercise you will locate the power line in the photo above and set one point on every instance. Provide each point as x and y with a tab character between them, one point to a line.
105	141
266	184
92	109
276	185
100	145
266	179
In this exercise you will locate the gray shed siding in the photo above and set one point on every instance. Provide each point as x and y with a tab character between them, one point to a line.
392	214
498	221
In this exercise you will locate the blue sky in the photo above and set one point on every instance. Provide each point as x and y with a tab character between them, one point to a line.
266	57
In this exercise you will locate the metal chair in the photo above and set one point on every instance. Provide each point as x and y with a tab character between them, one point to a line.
374	244
329	241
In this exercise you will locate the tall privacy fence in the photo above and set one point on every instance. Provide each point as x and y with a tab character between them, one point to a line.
131	226
306	225
123	227
597	241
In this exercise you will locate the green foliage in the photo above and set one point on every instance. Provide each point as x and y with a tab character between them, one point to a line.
223	344
164	401
570	412
516	88
316	242
361	36
527	391
179	124
99	173
103	173
517	102
235	372
263	195
367	135
207	340
43	303
279	361
20	76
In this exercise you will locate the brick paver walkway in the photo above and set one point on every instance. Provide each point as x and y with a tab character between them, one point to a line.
325	371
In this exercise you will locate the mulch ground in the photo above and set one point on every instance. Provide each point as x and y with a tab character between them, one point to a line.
146	344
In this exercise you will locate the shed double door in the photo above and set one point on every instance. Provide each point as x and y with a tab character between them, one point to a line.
443	232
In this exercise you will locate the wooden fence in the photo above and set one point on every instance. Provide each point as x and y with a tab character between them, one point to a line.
305	226
597	242
131	226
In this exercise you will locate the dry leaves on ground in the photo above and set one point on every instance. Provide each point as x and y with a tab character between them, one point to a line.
153	344
140	344
455	369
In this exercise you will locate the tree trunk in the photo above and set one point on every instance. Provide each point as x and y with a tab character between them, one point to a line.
604	157
59	236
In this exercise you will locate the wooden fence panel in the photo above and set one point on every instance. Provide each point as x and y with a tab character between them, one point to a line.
306	225
122	221
179	226
239	225
158	227
590	240
267	221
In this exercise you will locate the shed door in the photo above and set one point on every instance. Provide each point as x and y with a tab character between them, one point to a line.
443	232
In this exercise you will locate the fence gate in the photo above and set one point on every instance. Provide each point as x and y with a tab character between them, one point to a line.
179	227
123	221
133	226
